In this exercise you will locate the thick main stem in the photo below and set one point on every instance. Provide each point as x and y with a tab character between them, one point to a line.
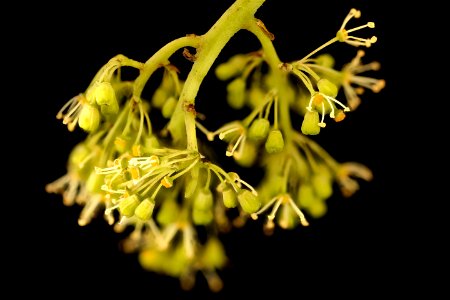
212	43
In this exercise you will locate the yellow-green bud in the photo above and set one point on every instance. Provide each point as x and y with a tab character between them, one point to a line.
150	143
94	182
325	60
89	118
203	200
323	185
169	107
159	98
103	94
168	212
274	142
202	217
327	87
144	210
153	259
247	156
78	154
306	196
214	256
317	209
248	201
128	205
310	124
259	129
236	93
231	68
255	96
229	197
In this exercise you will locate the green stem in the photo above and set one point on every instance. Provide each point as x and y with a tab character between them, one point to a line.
271	57
160	59
237	17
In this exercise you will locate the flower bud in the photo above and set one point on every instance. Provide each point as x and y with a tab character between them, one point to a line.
168	212
159	98
94	182
327	87
317	209
202	217
203	200
229	197
274	142
310	124
322	184
248	201
231	68
103	94
236	93
169	107
306	196
144	210
89	118
259	129
128	205
325	60
214	256
247	156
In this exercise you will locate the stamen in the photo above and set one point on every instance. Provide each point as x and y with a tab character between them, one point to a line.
300	214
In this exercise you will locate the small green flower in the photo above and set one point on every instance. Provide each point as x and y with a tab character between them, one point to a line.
144	210
310	124
274	142
128	205
89	118
259	129
248	201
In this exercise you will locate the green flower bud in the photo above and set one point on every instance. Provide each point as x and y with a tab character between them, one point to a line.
236	93
274	142
248	201
78	154
103	94
325	60
110	109
89	118
214	256
310	124
202	217
231	68
152	259
151	143
159	98
322	184
306	196
94	182
144	210
169	107
128	205
203	200
327	87
122	143
229	197
168	212
247	156
191	182
259	129
317	209
255	96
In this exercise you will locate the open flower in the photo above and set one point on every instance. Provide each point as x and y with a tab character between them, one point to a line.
351	77
343	34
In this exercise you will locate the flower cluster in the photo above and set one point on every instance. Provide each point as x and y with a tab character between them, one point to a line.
156	179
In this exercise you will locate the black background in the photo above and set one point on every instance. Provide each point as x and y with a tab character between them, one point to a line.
355	250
